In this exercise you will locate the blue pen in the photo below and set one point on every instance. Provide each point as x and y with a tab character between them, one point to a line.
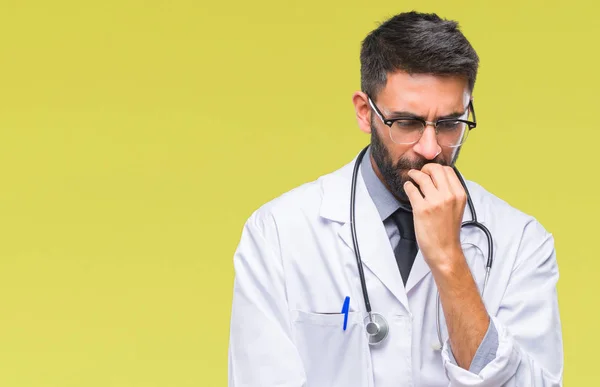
345	311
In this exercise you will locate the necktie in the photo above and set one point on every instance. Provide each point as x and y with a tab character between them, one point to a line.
406	250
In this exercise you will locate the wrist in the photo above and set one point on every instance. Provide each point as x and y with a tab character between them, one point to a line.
449	262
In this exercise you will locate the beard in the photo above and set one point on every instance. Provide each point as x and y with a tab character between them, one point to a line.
395	174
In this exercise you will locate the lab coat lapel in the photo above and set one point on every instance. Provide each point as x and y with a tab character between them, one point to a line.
375	249
418	271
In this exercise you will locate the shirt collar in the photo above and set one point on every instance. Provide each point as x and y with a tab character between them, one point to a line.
384	201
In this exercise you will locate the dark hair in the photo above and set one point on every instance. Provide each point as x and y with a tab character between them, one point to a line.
416	43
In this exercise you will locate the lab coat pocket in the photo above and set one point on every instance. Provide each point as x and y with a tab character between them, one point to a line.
331	355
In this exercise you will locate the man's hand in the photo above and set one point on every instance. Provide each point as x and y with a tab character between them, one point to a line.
438	212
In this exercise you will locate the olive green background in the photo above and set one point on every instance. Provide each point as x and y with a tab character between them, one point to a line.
136	137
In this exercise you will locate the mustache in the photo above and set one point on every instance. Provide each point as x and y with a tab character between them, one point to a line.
404	164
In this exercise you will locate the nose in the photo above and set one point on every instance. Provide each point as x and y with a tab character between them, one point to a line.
428	146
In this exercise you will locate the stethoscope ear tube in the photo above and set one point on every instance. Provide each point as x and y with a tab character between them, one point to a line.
361	273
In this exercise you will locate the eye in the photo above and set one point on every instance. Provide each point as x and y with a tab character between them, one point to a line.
449	126
408	125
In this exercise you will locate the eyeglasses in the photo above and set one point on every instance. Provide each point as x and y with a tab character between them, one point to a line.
451	132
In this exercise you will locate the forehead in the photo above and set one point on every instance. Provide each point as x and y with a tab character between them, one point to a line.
424	93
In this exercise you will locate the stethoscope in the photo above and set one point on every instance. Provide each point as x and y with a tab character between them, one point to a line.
376	325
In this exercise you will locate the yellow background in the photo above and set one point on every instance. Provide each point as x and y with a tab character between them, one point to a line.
136	137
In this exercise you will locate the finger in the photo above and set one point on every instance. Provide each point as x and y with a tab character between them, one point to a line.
438	176
455	184
414	196
424	182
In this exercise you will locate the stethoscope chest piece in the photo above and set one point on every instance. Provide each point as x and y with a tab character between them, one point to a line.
377	328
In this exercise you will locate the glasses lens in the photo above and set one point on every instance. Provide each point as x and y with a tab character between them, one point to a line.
452	133
406	131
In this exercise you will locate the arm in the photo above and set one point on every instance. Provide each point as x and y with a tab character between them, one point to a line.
529	349
261	353
438	208
466	317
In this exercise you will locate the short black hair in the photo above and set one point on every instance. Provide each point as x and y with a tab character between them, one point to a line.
417	43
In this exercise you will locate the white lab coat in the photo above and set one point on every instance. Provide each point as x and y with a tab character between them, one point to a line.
295	265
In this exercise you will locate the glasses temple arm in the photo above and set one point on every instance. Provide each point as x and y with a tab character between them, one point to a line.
473	110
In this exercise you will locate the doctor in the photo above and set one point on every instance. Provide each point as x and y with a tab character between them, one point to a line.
298	316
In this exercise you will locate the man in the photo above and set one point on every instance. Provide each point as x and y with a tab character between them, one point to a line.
299	312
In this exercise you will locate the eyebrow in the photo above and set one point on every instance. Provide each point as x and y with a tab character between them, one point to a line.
405	114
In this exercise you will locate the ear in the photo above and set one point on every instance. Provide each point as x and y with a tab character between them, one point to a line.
363	111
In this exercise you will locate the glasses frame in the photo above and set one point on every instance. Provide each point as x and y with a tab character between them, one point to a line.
390	122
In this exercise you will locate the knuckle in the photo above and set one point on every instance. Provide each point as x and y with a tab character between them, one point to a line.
425	209
437	204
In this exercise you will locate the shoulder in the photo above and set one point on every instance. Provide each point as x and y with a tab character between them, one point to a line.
300	205
290	204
